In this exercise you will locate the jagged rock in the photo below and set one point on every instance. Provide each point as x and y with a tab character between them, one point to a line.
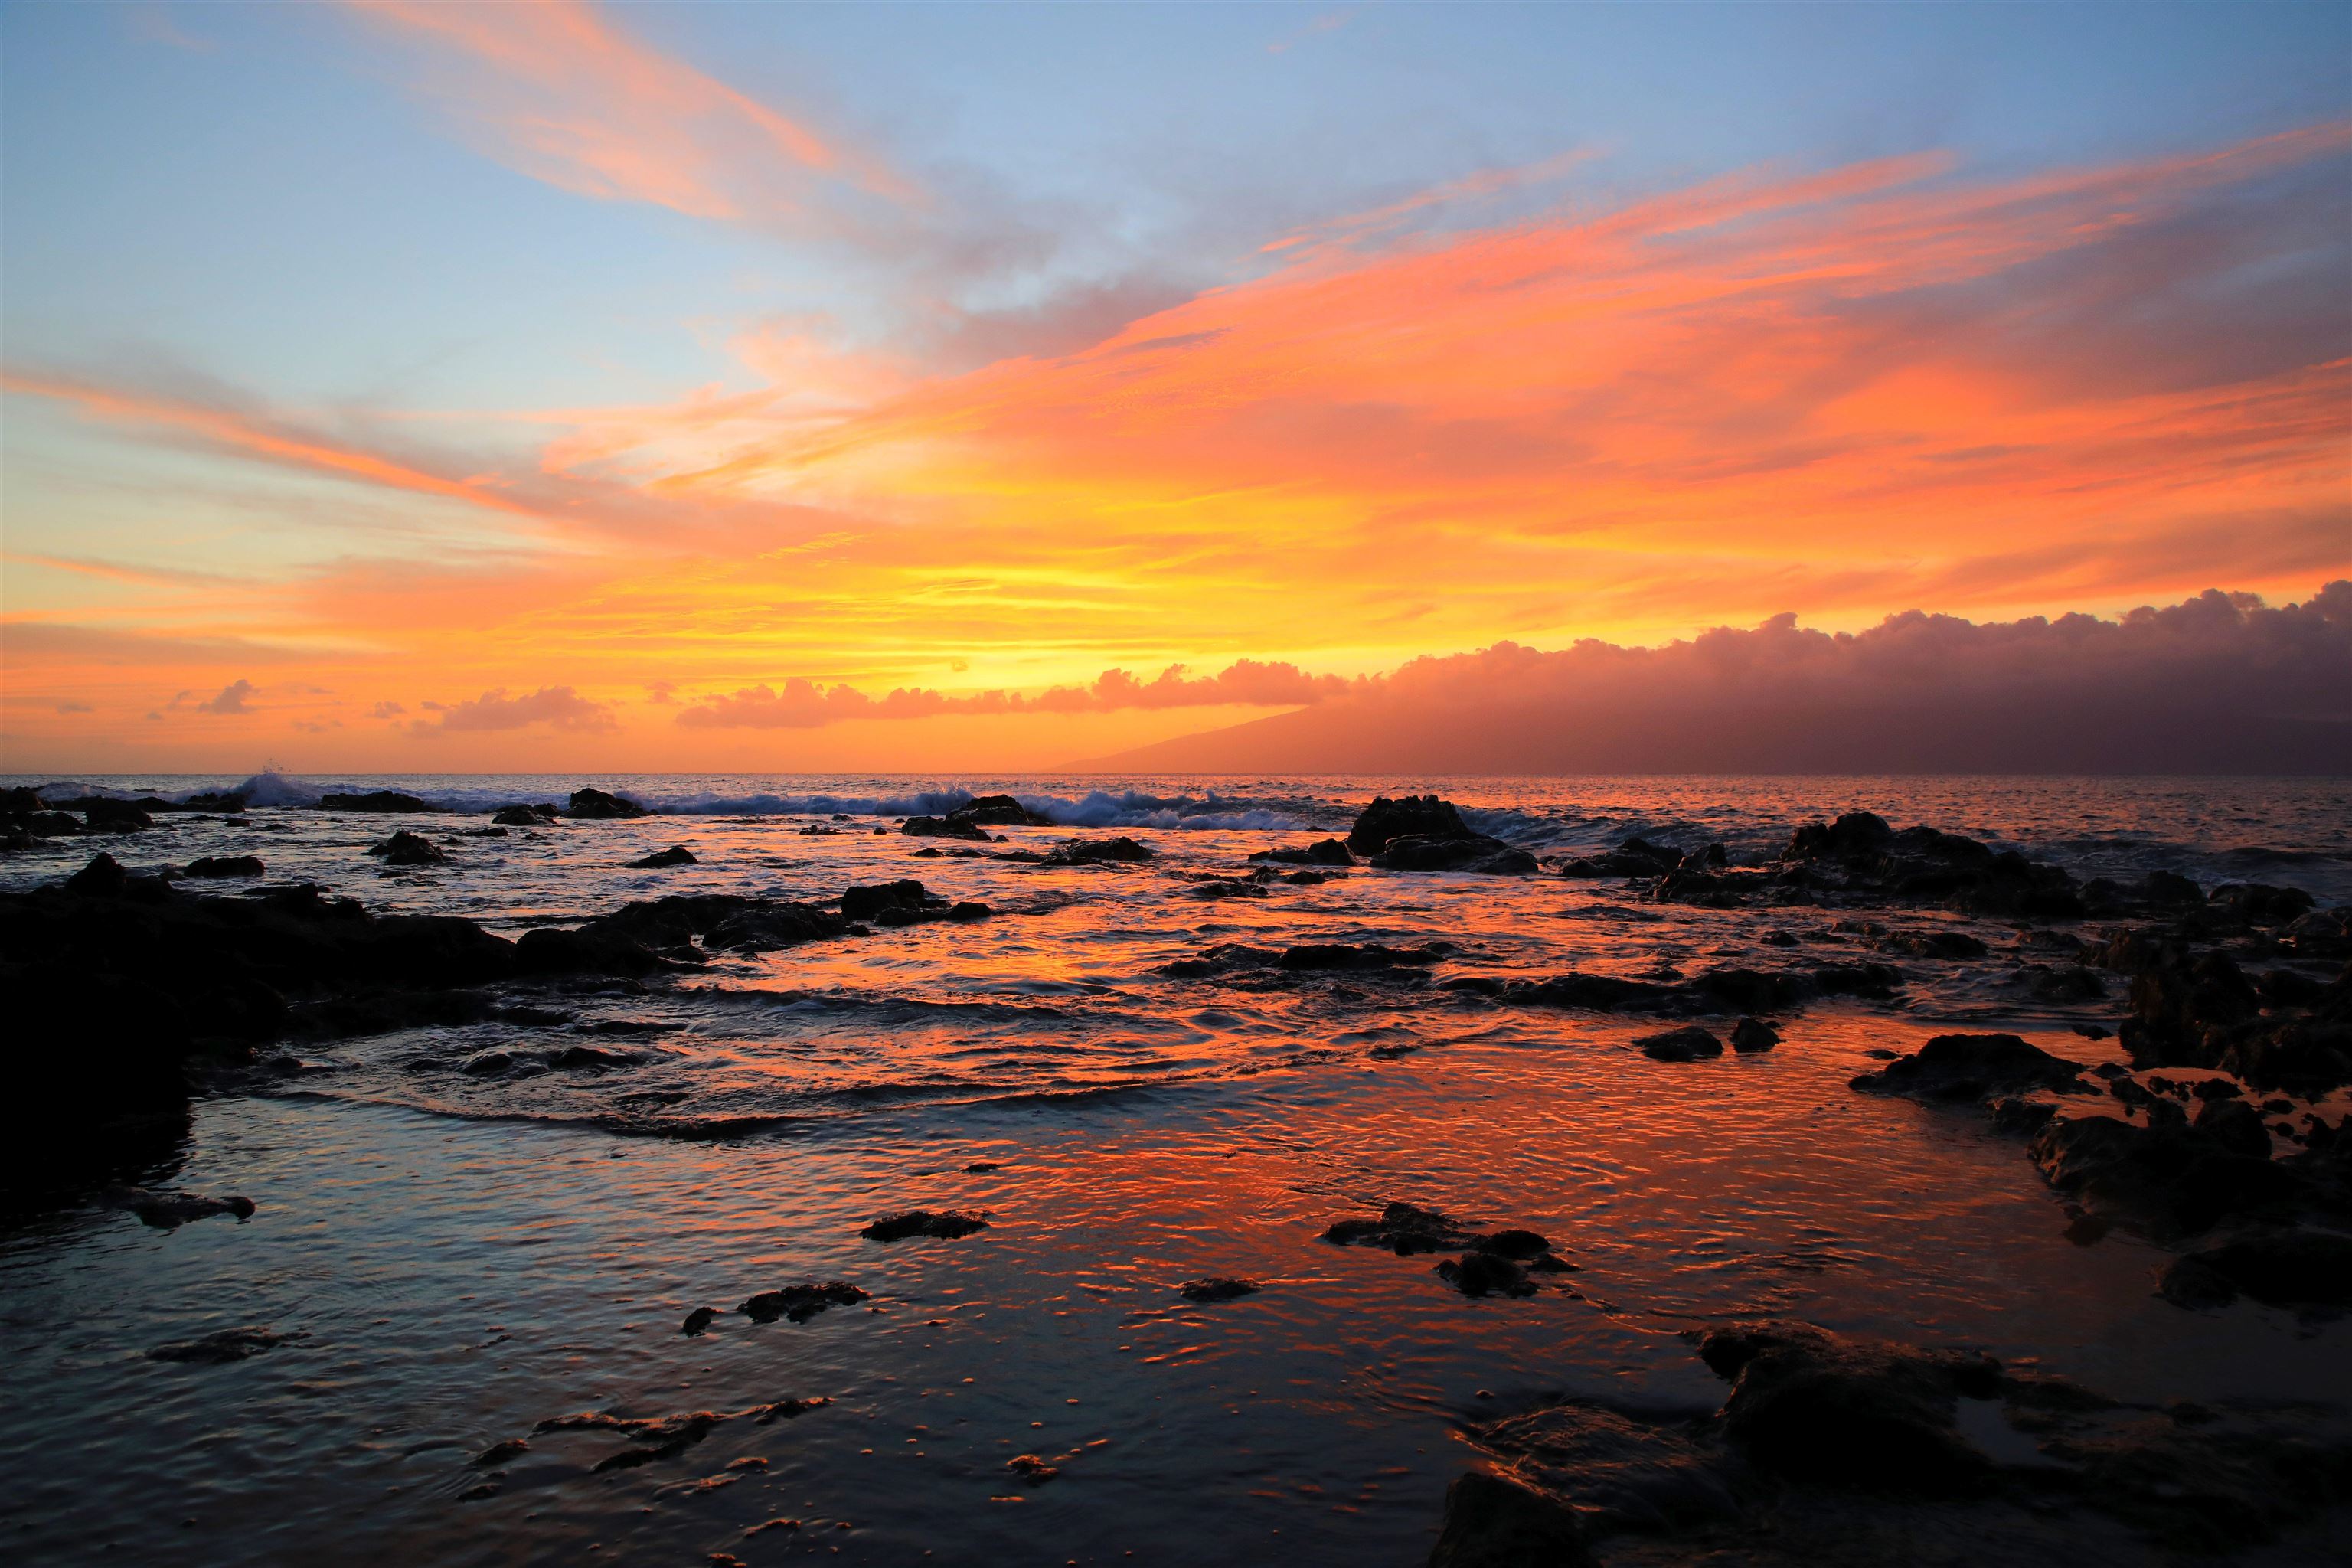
526	817
104	815
1096	852
799	1303
677	854
942	827
595	806
2163	1175
947	1225
1635	857
1412	815
999	810
406	848
381	799
1972	1067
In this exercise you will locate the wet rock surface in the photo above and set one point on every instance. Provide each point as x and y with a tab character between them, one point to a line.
406	848
799	1303
221	1347
1837	1448
596	805
1973	1066
677	854
943	1224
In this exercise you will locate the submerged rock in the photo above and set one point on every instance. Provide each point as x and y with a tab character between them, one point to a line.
169	1211
676	854
799	1303
210	866
945	1224
220	1348
1617	1470
1217	1288
1404	1228
1476	1273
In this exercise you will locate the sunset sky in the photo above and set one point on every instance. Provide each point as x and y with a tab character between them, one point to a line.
431	387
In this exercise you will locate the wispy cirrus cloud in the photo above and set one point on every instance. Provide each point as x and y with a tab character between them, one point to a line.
556	90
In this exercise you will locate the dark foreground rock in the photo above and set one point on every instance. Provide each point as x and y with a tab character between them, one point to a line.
1500	1264
1493	1520
945	1224
2167	1176
1323	852
1688	1044
1837	1449
1422	832
1118	851
2300	1268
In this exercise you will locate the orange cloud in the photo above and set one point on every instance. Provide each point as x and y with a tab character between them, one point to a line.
1872	385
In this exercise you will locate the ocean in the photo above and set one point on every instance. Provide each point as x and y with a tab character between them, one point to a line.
462	1236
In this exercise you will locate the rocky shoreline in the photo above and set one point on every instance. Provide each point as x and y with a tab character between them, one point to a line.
2232	1005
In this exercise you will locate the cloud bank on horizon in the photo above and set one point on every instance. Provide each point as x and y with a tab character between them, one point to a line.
680	399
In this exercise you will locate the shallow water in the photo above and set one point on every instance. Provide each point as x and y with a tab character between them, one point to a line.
465	1257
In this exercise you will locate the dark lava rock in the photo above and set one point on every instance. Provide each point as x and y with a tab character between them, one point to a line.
406	848
1717	991
1752	1035
946	1225
1033	1469
102	877
865	903
2166	1178
1096	852
518	815
696	1320
1404	1229
1324	852
1815	1406
667	1437
1409	816
676	854
104	815
590	1058
168	1211
999	810
2234	1125
595	806
211	866
1972	1067
1485	1274
1217	1288
1461	852
1637	857
1320	956
381	799
2291	1267
799	1303
1685	1045
499	1453
941	827
2257	903
1495	1522
220	1348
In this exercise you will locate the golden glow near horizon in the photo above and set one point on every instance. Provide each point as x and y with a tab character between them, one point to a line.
1843	392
